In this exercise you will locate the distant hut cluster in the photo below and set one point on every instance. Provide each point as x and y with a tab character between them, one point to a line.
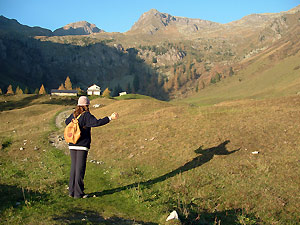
92	90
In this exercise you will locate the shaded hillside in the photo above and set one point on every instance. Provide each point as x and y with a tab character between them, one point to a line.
13	27
29	63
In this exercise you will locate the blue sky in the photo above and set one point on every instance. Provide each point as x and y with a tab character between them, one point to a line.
120	15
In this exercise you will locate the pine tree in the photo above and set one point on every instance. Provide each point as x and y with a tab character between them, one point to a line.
42	90
0	91
106	93
61	87
26	91
177	81
10	90
136	84
36	91
231	72
117	90
128	89
19	91
68	84
197	87
203	85
218	77
213	80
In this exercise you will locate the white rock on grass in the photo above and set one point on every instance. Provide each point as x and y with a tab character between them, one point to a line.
21	149
173	216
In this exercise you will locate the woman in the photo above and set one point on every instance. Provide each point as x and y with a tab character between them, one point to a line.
79	151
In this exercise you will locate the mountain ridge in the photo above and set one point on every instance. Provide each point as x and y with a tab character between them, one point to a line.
178	57
90	28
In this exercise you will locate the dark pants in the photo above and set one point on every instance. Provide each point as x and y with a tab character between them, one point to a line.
78	165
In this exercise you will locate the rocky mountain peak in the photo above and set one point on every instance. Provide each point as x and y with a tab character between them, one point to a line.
77	28
153	20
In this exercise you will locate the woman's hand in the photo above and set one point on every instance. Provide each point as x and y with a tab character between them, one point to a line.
114	116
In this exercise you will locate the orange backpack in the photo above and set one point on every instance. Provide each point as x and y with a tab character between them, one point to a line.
72	131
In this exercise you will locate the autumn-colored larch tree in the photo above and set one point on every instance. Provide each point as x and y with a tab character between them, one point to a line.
42	90
106	93
10	90
19	91
68	84
61	87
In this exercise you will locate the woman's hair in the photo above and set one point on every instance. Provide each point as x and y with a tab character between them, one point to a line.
80	109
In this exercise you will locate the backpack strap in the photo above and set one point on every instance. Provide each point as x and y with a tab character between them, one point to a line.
79	115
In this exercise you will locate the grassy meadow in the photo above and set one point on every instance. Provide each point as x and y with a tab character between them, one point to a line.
158	157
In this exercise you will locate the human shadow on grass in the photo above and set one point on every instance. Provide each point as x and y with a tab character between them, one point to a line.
13	196
206	156
80	216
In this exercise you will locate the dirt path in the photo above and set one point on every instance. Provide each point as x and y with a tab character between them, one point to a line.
61	117
57	137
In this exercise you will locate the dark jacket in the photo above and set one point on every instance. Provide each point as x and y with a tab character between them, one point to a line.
86	121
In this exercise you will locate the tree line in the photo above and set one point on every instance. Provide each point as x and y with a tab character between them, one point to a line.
19	91
67	85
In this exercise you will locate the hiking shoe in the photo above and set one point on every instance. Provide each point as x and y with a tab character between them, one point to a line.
85	196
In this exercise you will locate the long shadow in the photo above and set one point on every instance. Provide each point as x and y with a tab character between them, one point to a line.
13	196
206	156
76	216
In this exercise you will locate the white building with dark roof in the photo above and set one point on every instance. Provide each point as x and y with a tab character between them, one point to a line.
64	92
94	90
